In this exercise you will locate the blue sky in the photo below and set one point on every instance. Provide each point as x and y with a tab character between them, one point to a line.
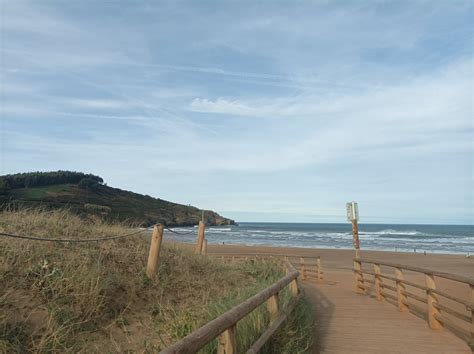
263	111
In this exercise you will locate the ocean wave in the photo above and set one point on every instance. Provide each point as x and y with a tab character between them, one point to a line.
392	232
218	229
412	237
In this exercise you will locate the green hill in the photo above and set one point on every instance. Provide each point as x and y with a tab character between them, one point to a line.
86	194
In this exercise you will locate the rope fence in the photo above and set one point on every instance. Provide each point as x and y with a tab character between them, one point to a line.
97	239
35	238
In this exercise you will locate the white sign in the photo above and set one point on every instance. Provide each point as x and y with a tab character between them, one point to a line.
352	211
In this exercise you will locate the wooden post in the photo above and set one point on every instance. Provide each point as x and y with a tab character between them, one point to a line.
200	238
204	247
319	270
472	316
432	301
302	269
378	282
227	343
272	306
154	254
294	287
401	297
359	277
355	237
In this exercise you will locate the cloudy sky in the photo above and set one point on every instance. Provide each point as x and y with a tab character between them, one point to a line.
269	111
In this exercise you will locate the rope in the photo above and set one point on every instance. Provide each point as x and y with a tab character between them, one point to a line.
70	240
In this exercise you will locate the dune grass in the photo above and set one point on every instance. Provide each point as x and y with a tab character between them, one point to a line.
95	297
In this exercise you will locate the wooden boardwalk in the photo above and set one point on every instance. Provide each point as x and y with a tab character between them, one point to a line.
352	323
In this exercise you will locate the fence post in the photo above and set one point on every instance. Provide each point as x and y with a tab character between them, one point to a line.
378	282
204	247
154	253
294	287
200	238
294	283
359	277
433	322
401	296
472	316
227	343
302	269
319	270
272	306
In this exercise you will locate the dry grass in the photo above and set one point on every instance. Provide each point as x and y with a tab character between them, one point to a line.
94	297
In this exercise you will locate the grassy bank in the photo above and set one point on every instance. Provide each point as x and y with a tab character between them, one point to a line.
86	194
95	297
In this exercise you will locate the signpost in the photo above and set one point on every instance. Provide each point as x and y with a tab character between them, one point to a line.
353	216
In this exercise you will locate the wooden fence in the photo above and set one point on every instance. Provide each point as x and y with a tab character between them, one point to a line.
310	268
441	309
224	327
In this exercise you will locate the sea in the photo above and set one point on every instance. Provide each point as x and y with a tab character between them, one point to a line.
458	239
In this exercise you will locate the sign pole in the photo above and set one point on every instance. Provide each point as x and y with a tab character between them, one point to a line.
355	236
353	216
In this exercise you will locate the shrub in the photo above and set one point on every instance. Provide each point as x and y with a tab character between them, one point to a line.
88	183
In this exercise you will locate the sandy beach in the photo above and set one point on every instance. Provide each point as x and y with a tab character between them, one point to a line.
341	259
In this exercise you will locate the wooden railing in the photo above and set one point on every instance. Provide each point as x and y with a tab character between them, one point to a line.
310	267
454	313
224	326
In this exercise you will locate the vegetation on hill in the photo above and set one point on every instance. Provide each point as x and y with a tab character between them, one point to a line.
95	297
41	179
86	194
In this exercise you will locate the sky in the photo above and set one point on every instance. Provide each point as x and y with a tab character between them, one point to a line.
261	110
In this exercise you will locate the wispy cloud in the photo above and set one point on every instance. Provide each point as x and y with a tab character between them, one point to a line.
264	107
